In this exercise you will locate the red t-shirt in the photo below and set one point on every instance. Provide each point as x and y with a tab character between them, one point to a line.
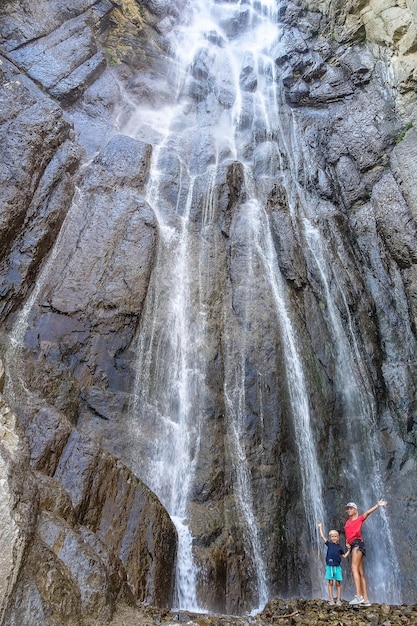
353	528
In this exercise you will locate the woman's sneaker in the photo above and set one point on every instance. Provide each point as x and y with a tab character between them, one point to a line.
356	600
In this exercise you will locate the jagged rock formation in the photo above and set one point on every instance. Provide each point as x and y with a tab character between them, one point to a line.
348	82
79	532
389	29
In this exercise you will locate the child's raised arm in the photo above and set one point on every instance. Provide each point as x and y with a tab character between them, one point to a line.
322	535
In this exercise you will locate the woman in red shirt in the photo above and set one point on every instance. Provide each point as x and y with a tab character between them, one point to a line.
354	540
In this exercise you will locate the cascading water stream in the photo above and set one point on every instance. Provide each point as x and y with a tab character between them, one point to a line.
234	117
262	262
266	128
352	379
170	363
364	473
170	355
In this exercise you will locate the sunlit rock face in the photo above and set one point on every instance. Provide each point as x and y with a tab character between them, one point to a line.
80	532
208	285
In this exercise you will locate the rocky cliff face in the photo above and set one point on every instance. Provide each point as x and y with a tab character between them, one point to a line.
81	245
79	532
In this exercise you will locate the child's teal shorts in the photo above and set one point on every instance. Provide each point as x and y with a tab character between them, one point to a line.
334	572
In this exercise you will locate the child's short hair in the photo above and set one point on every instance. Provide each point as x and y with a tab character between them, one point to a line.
333	532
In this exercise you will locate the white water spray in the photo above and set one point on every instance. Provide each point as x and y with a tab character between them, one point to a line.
263	263
170	366
360	418
363	475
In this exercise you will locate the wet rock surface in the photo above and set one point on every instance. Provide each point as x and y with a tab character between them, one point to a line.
57	46
347	83
85	533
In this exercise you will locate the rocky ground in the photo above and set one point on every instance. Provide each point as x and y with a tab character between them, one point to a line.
278	612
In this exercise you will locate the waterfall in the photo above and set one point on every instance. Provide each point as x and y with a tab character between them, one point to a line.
363	476
219	345
171	385
170	377
262	265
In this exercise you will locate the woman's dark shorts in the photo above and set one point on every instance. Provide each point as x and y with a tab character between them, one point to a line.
358	543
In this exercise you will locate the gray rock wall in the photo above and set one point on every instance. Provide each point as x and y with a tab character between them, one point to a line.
79	237
80	533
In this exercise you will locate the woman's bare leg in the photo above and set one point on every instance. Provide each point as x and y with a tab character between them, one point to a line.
363	582
357	571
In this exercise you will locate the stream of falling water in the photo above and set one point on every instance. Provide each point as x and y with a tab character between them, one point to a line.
170	366
352	382
170	377
171	369
360	418
263	265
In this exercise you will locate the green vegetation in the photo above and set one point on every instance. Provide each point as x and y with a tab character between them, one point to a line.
111	59
314	373
404	130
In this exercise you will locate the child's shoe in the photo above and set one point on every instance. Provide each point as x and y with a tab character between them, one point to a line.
339	602
331	602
